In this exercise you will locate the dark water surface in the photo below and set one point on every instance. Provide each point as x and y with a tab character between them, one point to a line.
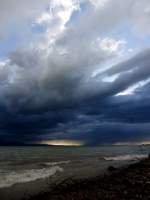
25	164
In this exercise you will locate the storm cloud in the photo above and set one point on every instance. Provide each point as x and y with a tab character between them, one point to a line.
69	81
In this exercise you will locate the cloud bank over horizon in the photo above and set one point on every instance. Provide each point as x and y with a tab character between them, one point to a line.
74	70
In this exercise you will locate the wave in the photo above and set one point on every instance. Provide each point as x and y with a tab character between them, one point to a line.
57	163
127	157
28	176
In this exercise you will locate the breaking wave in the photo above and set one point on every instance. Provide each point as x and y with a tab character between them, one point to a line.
57	163
127	157
12	178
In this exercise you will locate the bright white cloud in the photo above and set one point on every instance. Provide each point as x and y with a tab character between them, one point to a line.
66	55
44	18
99	3
56	18
59	9
112	45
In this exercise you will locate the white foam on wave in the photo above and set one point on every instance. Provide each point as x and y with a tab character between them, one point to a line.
27	176
57	163
127	157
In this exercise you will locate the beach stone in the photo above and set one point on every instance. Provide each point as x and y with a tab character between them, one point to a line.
112	168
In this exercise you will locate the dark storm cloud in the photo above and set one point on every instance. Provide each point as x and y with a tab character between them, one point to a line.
98	117
55	89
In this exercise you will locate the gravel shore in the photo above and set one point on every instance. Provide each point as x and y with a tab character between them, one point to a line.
128	183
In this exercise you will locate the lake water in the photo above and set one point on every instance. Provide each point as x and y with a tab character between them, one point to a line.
25	164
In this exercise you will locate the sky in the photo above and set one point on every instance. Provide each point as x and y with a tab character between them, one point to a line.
74	70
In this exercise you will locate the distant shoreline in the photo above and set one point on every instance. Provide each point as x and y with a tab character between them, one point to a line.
45	145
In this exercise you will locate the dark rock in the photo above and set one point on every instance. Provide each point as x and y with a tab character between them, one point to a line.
111	168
